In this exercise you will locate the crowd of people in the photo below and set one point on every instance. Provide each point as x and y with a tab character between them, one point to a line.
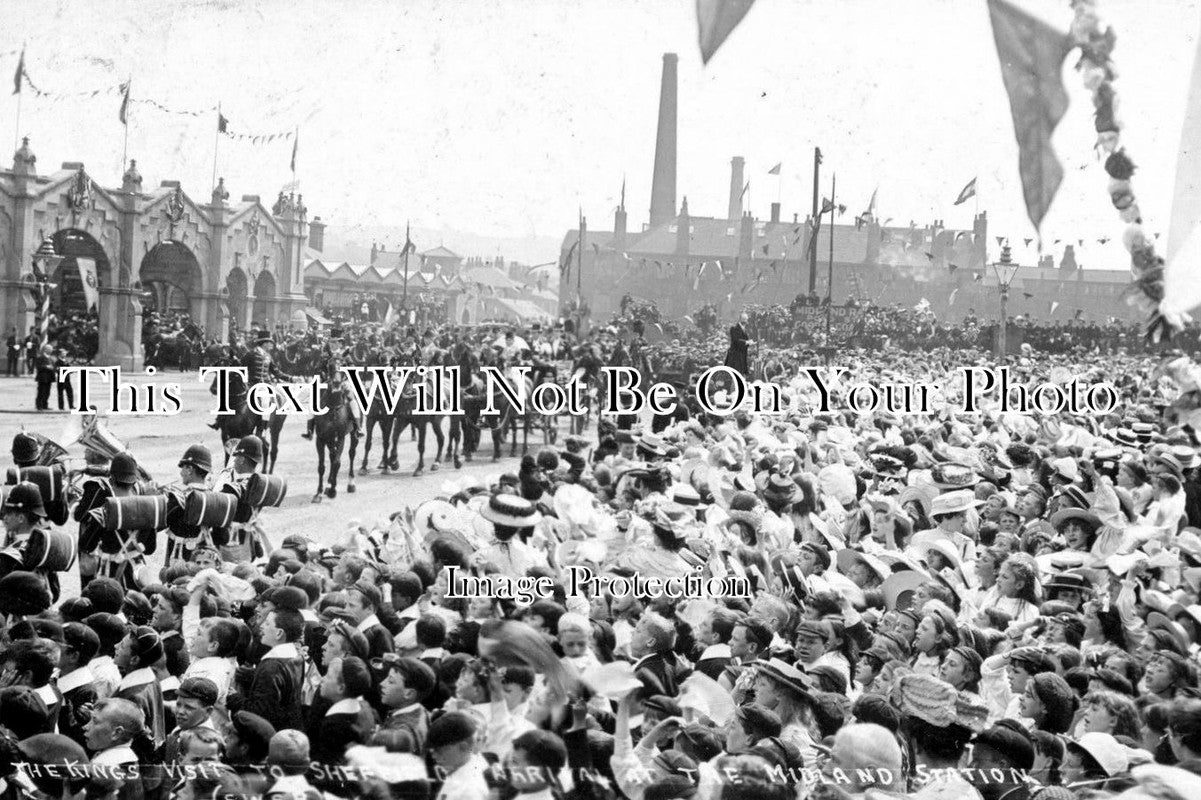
994	606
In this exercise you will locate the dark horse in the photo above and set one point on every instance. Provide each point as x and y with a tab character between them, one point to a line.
378	415
330	432
244	422
406	416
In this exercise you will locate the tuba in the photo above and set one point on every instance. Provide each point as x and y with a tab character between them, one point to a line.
94	436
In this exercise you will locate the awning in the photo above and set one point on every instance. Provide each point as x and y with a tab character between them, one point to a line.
315	316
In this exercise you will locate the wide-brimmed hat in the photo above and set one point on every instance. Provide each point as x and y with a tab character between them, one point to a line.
953	476
954	502
917	494
1070	581
1060	518
652	444
936	702
511	511
848	557
1158	621
898	589
1107	751
787	676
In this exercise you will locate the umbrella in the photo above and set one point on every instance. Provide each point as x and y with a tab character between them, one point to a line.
518	342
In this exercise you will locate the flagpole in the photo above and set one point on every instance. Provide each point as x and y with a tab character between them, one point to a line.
125	145
216	144
830	273
404	303
17	127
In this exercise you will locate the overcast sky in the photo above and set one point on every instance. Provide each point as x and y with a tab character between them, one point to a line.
504	116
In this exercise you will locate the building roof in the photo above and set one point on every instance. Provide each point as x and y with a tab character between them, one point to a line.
440	252
487	276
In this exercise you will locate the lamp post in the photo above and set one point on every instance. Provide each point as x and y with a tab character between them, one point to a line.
1005	271
45	260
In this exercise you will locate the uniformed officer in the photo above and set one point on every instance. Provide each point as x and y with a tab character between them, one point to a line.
339	391
22	513
247	456
194	469
110	553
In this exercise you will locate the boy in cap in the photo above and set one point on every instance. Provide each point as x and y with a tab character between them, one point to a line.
363	602
136	655
407	682
194	470
22	513
194	705
451	744
76	683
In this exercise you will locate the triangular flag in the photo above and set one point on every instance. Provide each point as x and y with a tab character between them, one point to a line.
715	20
745	189
951	299
19	76
222	123
1032	55
1027	295
776	169
1000	241
1028	241
295	145
1054	305
952	267
978	277
967	192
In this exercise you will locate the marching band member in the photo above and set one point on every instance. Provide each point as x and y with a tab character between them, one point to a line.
116	553
22	513
194	469
233	479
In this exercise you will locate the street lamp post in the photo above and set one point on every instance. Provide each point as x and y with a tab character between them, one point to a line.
1005	271
45	260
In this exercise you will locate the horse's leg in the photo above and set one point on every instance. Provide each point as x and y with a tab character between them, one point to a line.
419	430
335	464
436	426
370	427
354	443
456	438
385	437
513	434
320	469
398	427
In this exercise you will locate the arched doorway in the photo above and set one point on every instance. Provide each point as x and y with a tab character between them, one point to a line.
69	297
235	285
171	277
264	299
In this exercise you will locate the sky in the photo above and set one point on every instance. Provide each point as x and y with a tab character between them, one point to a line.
504	117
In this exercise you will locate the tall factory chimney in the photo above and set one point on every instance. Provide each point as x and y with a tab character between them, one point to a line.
663	189
736	184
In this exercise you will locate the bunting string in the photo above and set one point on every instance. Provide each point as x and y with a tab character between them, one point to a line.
1097	73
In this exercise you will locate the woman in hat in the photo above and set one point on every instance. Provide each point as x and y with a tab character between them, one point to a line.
663	556
782	688
1050	702
1017	588
1078	528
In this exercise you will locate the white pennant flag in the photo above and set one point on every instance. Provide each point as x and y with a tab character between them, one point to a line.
1182	281
91	285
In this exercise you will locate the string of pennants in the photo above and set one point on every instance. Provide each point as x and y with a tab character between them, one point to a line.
122	89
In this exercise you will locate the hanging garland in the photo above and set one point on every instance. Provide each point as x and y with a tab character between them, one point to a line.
1097	73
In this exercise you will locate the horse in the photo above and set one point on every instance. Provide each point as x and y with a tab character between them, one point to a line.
378	414
244	422
406	416
329	436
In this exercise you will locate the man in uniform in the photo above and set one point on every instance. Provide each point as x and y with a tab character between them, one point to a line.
194	469
339	390
233	479
260	364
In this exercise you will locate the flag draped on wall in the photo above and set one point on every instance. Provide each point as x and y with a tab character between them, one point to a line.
1032	55
716	19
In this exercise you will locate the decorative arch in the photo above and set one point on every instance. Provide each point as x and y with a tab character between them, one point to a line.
236	287
171	275
74	244
264	298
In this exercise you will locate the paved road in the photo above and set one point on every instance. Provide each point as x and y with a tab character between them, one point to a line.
159	441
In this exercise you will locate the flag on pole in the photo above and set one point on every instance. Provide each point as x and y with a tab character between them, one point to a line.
390	314
124	115
222	123
715	20
1032	55
745	189
295	144
776	169
20	74
967	193
1054	305
91	286
1182	290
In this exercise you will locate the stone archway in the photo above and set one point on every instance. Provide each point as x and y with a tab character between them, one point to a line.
264	299
69	296
172	278
236	287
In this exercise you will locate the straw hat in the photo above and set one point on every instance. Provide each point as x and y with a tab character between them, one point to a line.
787	676
848	557
898	589
954	502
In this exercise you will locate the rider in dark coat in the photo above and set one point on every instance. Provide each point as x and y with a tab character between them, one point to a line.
737	355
